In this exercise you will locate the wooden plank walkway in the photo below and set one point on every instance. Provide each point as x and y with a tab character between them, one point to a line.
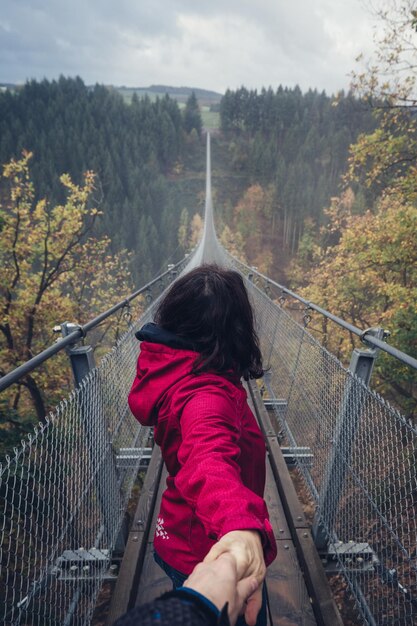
297	588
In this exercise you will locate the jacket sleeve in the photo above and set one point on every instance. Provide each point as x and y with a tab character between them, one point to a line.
209	479
182	607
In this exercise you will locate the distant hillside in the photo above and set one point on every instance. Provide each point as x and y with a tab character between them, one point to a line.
200	93
205	97
180	94
8	86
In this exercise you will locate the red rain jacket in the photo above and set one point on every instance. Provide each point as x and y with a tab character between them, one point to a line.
213	450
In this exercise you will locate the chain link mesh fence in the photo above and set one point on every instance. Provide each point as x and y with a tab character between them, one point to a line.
64	492
358	457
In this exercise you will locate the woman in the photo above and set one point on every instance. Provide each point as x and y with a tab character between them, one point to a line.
188	387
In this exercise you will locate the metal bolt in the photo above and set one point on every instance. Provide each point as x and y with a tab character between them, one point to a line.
113	568
305	534
281	530
139	522
136	538
286	547
299	518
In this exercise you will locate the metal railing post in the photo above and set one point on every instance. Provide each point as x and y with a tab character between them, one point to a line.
361	366
81	357
97	437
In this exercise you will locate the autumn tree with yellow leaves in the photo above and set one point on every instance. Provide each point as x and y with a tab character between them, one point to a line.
368	276
190	231
254	221
53	270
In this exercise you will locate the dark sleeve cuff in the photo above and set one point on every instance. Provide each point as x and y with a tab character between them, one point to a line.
187	591
203	604
176	608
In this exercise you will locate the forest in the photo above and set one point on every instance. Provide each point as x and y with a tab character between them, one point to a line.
98	193
131	148
293	145
293	149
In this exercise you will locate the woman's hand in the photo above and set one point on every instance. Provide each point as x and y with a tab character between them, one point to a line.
246	548
218	581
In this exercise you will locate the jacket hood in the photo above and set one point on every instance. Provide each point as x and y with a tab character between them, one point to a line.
164	360
155	334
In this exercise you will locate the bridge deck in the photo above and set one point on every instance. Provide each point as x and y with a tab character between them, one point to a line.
297	588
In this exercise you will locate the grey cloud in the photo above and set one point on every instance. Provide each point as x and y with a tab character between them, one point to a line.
138	42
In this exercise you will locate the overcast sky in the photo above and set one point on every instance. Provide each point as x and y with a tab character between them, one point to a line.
213	44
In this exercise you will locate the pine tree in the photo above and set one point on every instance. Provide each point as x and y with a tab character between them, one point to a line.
192	115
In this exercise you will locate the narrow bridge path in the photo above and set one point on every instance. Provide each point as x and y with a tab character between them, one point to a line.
297	587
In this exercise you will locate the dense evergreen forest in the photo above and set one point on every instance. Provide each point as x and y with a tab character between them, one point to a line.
293	148
149	160
130	146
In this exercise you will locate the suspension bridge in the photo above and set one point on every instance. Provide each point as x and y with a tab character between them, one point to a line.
65	490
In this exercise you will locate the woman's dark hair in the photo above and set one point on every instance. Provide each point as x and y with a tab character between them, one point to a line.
209	306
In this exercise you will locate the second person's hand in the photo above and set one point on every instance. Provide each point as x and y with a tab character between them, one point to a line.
218	581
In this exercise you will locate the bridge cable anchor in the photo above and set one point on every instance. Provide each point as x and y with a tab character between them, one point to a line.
127	312
307	317
66	328
379	333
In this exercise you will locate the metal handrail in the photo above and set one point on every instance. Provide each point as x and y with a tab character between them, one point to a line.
365	335
79	333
